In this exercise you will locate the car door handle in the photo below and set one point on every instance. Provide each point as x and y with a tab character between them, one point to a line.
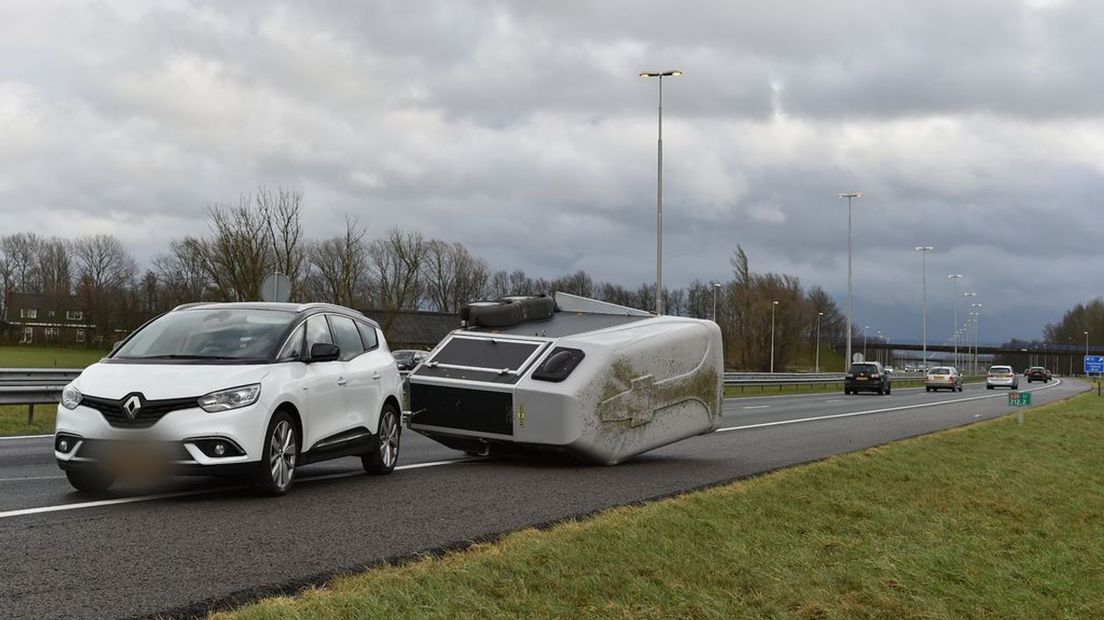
341	381
375	375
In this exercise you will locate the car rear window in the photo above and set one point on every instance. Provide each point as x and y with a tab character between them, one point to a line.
868	368
1000	369
939	371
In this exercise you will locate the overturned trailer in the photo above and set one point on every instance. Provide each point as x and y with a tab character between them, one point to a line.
570	375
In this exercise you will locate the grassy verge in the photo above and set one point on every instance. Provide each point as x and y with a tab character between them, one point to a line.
996	520
47	357
819	388
13	420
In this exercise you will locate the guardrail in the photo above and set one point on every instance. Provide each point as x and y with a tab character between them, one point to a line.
763	380
34	386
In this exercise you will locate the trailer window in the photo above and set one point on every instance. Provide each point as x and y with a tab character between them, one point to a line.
490	353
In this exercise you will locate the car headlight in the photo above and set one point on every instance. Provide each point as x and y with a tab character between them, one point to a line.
70	397
233	398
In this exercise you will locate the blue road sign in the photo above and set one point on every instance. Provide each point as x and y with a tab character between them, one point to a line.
1094	364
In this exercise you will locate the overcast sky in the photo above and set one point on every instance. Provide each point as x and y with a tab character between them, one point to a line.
522	130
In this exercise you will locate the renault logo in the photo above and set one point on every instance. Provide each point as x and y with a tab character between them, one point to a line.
131	406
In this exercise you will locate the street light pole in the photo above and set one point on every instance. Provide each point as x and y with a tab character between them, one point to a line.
865	327
849	196
955	277
924	249
659	186
774	304
977	331
967	333
885	359
716	287
819	316
1086	348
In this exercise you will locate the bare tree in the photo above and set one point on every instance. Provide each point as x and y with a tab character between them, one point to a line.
395	268
20	257
105	273
339	266
238	256
55	267
182	273
453	277
280	210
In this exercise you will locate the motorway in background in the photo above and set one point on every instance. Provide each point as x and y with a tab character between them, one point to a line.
206	544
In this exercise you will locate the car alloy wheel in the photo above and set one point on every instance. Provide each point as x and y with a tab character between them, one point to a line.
281	456
386	455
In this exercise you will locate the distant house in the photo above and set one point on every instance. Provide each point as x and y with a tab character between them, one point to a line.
36	318
410	329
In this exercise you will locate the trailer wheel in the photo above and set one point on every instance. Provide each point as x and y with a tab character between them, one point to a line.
495	314
534	308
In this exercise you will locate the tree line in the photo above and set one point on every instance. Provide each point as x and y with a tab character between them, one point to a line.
262	233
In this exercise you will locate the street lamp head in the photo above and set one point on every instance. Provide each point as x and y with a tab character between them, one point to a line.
955	276
850	194
924	248
660	74
716	285
674	73
820	314
968	294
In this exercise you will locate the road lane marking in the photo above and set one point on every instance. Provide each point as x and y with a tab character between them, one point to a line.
26	437
834	400
756	407
873	411
148	498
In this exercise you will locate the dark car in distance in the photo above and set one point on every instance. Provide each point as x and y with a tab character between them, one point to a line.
866	376
407	359
1038	373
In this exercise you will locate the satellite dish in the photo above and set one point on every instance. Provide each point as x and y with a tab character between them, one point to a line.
276	288
858	357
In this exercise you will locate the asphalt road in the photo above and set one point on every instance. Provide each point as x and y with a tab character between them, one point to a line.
195	543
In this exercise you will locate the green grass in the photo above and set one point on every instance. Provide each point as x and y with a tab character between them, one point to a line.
13	420
47	357
995	520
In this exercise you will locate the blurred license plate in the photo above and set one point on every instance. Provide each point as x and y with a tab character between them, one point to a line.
135	459
862	378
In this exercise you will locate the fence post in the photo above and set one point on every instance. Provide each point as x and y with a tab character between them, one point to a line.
30	414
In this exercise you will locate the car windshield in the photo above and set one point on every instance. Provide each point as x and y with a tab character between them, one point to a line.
212	334
939	371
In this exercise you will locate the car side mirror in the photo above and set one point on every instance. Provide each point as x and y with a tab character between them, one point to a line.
324	352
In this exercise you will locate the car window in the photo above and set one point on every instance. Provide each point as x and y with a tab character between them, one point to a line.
317	331
868	368
1000	369
940	371
368	336
293	349
348	338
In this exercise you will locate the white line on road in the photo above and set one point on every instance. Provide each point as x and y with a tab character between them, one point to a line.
834	400
31	478
26	437
756	407
149	498
873	411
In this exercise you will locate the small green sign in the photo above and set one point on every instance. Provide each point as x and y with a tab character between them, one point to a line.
1019	399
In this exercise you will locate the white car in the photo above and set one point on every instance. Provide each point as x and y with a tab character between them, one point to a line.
1002	376
244	389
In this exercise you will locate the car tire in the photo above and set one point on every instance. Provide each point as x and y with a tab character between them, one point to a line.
881	390
889	389
382	460
280	460
988	387
927	389
92	482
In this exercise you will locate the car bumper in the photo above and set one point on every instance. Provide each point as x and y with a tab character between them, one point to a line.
942	385
184	440
872	385
1009	383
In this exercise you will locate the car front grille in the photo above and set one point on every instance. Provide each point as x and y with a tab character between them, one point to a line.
150	412
97	449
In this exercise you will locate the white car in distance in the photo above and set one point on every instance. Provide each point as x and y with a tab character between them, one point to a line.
245	389
1001	376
